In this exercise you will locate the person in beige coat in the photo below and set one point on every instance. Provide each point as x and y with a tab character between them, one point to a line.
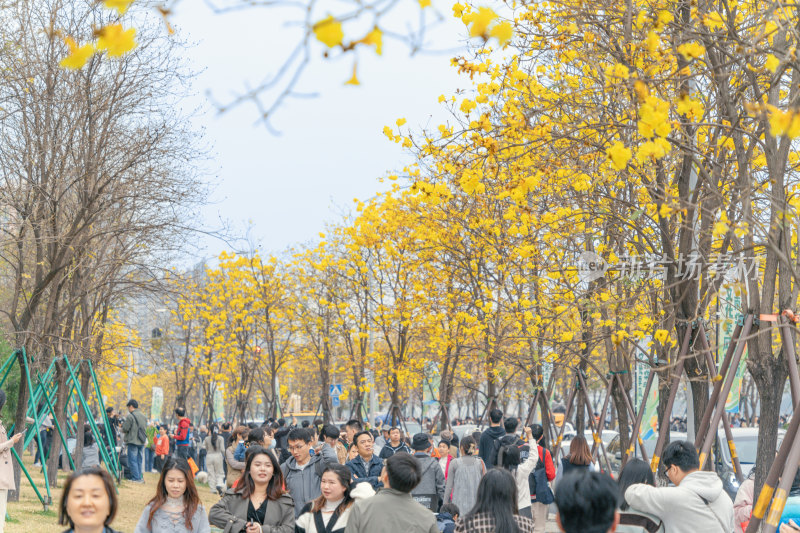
6	465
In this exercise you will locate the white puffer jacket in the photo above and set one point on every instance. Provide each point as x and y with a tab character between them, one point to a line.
698	504
305	522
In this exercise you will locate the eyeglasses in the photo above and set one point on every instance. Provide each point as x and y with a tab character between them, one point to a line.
297	448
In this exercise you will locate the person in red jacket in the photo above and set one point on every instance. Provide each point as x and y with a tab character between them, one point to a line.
162	448
183	435
539	510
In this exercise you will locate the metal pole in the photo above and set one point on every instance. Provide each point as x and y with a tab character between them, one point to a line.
30	480
6	368
560	432
737	467
58	427
634	416
95	432
779	501
780	463
738	332
788	348
595	435
719	407
32	406
602	422
639	417
663	427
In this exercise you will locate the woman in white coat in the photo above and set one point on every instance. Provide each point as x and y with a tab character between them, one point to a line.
521	472
329	512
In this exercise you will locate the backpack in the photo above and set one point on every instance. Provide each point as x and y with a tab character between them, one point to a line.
538	483
503	444
495	454
140	433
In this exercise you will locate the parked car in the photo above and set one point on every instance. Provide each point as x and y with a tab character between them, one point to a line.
746	442
745	439
463	430
607	436
614	449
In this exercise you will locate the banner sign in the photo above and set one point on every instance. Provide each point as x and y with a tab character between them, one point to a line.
730	305
157	403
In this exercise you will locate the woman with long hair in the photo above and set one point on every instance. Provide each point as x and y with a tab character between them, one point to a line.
464	475
88	502
579	458
329	512
258	503
214	445
630	520
495	508
521	470
176	507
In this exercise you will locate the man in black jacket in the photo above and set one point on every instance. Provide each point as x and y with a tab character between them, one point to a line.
490	439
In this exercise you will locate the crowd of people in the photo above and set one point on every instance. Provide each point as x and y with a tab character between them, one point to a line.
280	477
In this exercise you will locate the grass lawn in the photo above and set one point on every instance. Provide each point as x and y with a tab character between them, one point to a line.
27	515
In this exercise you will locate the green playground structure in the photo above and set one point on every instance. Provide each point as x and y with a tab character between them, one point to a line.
42	392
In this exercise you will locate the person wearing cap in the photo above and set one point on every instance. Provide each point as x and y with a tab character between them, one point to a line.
430	490
134	431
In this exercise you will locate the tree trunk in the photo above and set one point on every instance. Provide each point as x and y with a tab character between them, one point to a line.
769	374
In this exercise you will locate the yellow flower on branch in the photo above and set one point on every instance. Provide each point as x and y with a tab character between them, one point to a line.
115	40
329	31
353	79
374	38
655	149
783	122
78	55
689	108
772	63
619	155
502	32
479	21
691	50
120	5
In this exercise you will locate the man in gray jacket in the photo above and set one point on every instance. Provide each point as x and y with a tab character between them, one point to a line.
134	429
393	510
430	491
303	471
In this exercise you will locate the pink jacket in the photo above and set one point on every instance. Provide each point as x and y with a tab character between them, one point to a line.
743	505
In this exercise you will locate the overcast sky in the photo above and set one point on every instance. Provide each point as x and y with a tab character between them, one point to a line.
331	148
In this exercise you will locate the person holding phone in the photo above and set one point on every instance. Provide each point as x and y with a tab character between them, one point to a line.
258	504
6	465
